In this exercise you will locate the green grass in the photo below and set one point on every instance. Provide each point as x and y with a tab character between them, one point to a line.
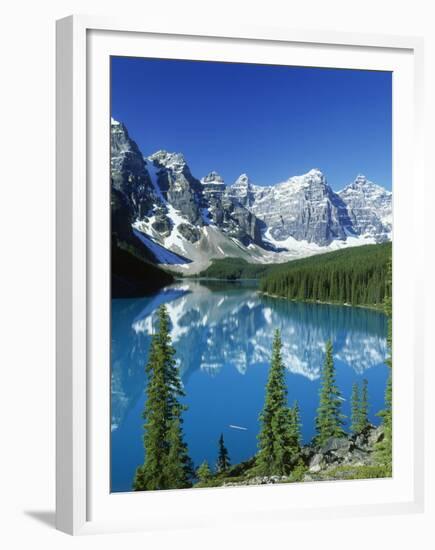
353	472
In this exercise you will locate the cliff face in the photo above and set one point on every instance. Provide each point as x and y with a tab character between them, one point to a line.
130	179
304	208
203	219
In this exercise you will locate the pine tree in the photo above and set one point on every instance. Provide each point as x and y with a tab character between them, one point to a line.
359	407
223	461
355	409
329	419
178	468
364	407
276	452
384	449
166	460
149	476
295	429
204	474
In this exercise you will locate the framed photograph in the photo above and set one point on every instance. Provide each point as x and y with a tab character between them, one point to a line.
239	263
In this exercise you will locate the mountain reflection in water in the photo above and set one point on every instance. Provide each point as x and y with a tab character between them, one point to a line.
222	333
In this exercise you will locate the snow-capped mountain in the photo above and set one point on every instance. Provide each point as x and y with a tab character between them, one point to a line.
185	222
369	208
213	185
304	208
129	174
243	190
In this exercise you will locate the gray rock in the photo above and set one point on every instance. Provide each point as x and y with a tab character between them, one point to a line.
213	185
162	224
129	175
305	208
342	444
190	233
307	453
242	191
234	219
369	208
358	457
376	435
317	463
178	186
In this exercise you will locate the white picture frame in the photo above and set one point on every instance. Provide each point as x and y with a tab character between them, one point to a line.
84	505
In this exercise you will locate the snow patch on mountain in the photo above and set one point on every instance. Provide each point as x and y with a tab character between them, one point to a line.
200	220
152	171
370	208
162	255
301	249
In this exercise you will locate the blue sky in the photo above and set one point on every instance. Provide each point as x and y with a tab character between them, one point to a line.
271	122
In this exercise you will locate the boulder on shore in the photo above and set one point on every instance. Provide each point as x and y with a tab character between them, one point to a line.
353	450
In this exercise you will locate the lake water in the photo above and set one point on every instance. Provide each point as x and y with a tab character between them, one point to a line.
223	333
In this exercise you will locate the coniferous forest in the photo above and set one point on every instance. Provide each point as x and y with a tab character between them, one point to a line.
281	457
356	276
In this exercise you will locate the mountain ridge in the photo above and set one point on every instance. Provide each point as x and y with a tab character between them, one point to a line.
204	218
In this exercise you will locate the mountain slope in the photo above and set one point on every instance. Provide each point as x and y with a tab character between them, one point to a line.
369	208
132	276
304	208
157	199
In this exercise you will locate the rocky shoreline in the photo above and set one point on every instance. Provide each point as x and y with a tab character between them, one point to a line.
338	459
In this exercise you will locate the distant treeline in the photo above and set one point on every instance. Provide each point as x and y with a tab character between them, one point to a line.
233	269
358	276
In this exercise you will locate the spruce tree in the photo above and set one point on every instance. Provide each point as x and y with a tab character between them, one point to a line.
223	461
276	452
359	407
384	449
295	429
329	420
204	474
355	409
166	463
178	468
149	476
364	407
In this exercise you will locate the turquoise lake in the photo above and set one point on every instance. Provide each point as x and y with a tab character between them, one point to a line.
222	333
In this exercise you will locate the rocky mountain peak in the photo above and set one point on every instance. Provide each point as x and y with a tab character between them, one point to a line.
132	188
242	181
212	178
241	190
120	140
369	207
311	181
315	176
360	180
315	173
160	193
363	185
171	161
